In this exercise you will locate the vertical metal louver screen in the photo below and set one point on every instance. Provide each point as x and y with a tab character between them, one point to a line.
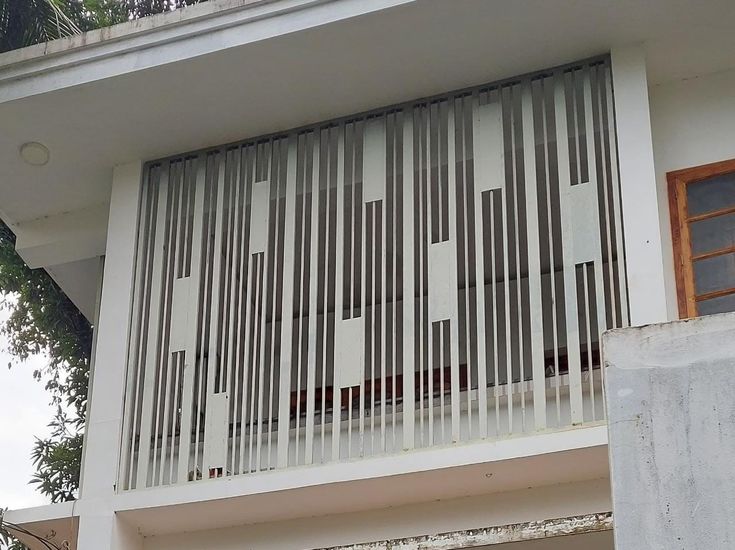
436	272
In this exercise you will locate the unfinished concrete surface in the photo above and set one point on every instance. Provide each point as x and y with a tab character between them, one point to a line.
670	392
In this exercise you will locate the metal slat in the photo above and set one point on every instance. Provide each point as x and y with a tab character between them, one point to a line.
136	334
480	297
214	407
153	335
570	286
339	305
534	262
409	290
313	314
615	184
454	284
506	278
284	393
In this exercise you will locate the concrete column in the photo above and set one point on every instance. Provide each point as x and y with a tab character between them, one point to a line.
641	224
97	523
670	394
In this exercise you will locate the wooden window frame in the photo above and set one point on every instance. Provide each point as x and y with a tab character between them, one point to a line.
683	259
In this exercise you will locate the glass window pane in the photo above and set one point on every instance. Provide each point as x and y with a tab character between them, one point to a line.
715	273
712	234
722	304
711	194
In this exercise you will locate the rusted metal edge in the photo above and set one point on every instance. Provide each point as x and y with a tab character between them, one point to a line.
515	532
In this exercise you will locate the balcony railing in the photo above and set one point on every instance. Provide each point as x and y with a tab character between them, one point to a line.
430	273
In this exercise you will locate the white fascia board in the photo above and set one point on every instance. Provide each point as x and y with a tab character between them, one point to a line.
167	38
63	238
47	512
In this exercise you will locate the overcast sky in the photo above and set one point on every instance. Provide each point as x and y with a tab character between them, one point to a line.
24	413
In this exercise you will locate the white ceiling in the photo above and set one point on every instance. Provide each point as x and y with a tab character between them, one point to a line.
392	55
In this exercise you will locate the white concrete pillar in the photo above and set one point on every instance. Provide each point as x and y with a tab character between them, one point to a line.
97	523
643	247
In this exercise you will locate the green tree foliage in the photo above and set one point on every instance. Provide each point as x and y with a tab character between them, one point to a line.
42	319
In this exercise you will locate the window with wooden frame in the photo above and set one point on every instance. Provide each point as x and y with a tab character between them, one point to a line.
702	206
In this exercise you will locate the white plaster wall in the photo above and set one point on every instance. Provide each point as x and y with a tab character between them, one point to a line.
693	123
405	521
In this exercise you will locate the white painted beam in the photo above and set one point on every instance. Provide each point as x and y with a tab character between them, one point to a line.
643	248
63	238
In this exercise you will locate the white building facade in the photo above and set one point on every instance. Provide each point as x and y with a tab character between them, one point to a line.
349	262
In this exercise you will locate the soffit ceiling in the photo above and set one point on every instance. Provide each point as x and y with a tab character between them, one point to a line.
392	55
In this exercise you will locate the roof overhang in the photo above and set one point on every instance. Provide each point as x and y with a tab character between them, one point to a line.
227	70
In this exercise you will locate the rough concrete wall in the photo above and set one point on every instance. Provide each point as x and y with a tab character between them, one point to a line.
670	397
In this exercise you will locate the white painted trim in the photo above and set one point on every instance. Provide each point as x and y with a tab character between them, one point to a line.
139	45
643	247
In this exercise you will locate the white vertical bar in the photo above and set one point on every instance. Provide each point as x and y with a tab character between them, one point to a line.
243	295
284	391
170	360
374	329
422	250
588	324
534	261
429	240
313	314
383	329
518	284
615	184
152	344
267	260
325	303
570	285
134	369
339	305
606	195
229	342
248	268
494	285
454	320
363	310
506	285
409	291
394	221
480	295
552	260
234	327
251	287
256	361
163	358
302	302
277	267
592	169
205	313
187	396
214	320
